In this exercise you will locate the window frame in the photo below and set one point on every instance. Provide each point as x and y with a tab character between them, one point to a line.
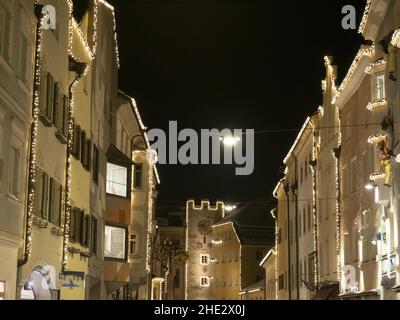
126	244
138	169
127	191
206	283
207	259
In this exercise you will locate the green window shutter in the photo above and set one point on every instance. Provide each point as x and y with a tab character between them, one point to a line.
83	148
58	204
57	111
43	93
39	192
45	207
65	116
51	200
50	97
72	225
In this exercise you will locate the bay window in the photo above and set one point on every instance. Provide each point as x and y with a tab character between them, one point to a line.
117	180
115	242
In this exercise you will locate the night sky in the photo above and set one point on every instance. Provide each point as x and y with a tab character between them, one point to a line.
253	64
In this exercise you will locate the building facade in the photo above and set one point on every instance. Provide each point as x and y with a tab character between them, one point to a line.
269	263
17	46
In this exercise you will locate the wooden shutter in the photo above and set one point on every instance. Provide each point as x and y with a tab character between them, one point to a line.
57	112
88	154
56	203
39	192
76	146
72	225
86	231
52	192
50	97
95	164
43	93
81	227
83	148
45	208
93	234
65	116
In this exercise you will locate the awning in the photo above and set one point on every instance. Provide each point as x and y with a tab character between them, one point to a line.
327	292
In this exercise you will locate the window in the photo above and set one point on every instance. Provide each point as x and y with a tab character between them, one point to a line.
204	282
85	230
204	259
117	180
55	202
259	255
345	179
15	169
79	227
23	62
133	245
281	282
305	169
378	90
347	126
93	235
96	159
309	217
2	290
5	31
76	142
304	221
138	175
177	279
115	242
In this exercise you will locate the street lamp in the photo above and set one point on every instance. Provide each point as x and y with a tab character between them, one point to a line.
230	208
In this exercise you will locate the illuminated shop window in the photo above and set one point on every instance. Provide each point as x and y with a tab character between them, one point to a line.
204	282
378	89
2	290
204	259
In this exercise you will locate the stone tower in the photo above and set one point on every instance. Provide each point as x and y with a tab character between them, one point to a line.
199	221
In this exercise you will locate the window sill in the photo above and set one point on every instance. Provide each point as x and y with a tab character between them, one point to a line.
24	86
45	120
61	137
6	65
115	260
118	197
13	198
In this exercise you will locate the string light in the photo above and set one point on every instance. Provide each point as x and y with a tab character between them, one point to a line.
376	104
95	25
68	205
370	69
396	38
109	6
365	17
314	204
364	52
34	138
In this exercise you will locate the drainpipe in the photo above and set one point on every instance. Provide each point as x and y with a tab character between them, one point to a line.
286	188
295	188
79	68
39	16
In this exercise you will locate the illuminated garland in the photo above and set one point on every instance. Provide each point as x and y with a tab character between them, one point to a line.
365	52
68	206
314	199
34	138
338	199
109	6
365	17
95	24
396	38
376	104
372	66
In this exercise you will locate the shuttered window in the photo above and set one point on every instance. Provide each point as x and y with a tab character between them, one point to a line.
39	193
76	145
96	159
55	206
50	97
66	115
46	194
93	235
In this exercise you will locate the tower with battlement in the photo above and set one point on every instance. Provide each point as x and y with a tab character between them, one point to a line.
199	219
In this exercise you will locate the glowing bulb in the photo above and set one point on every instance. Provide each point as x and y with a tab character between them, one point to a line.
229	141
398	158
230	208
369	187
